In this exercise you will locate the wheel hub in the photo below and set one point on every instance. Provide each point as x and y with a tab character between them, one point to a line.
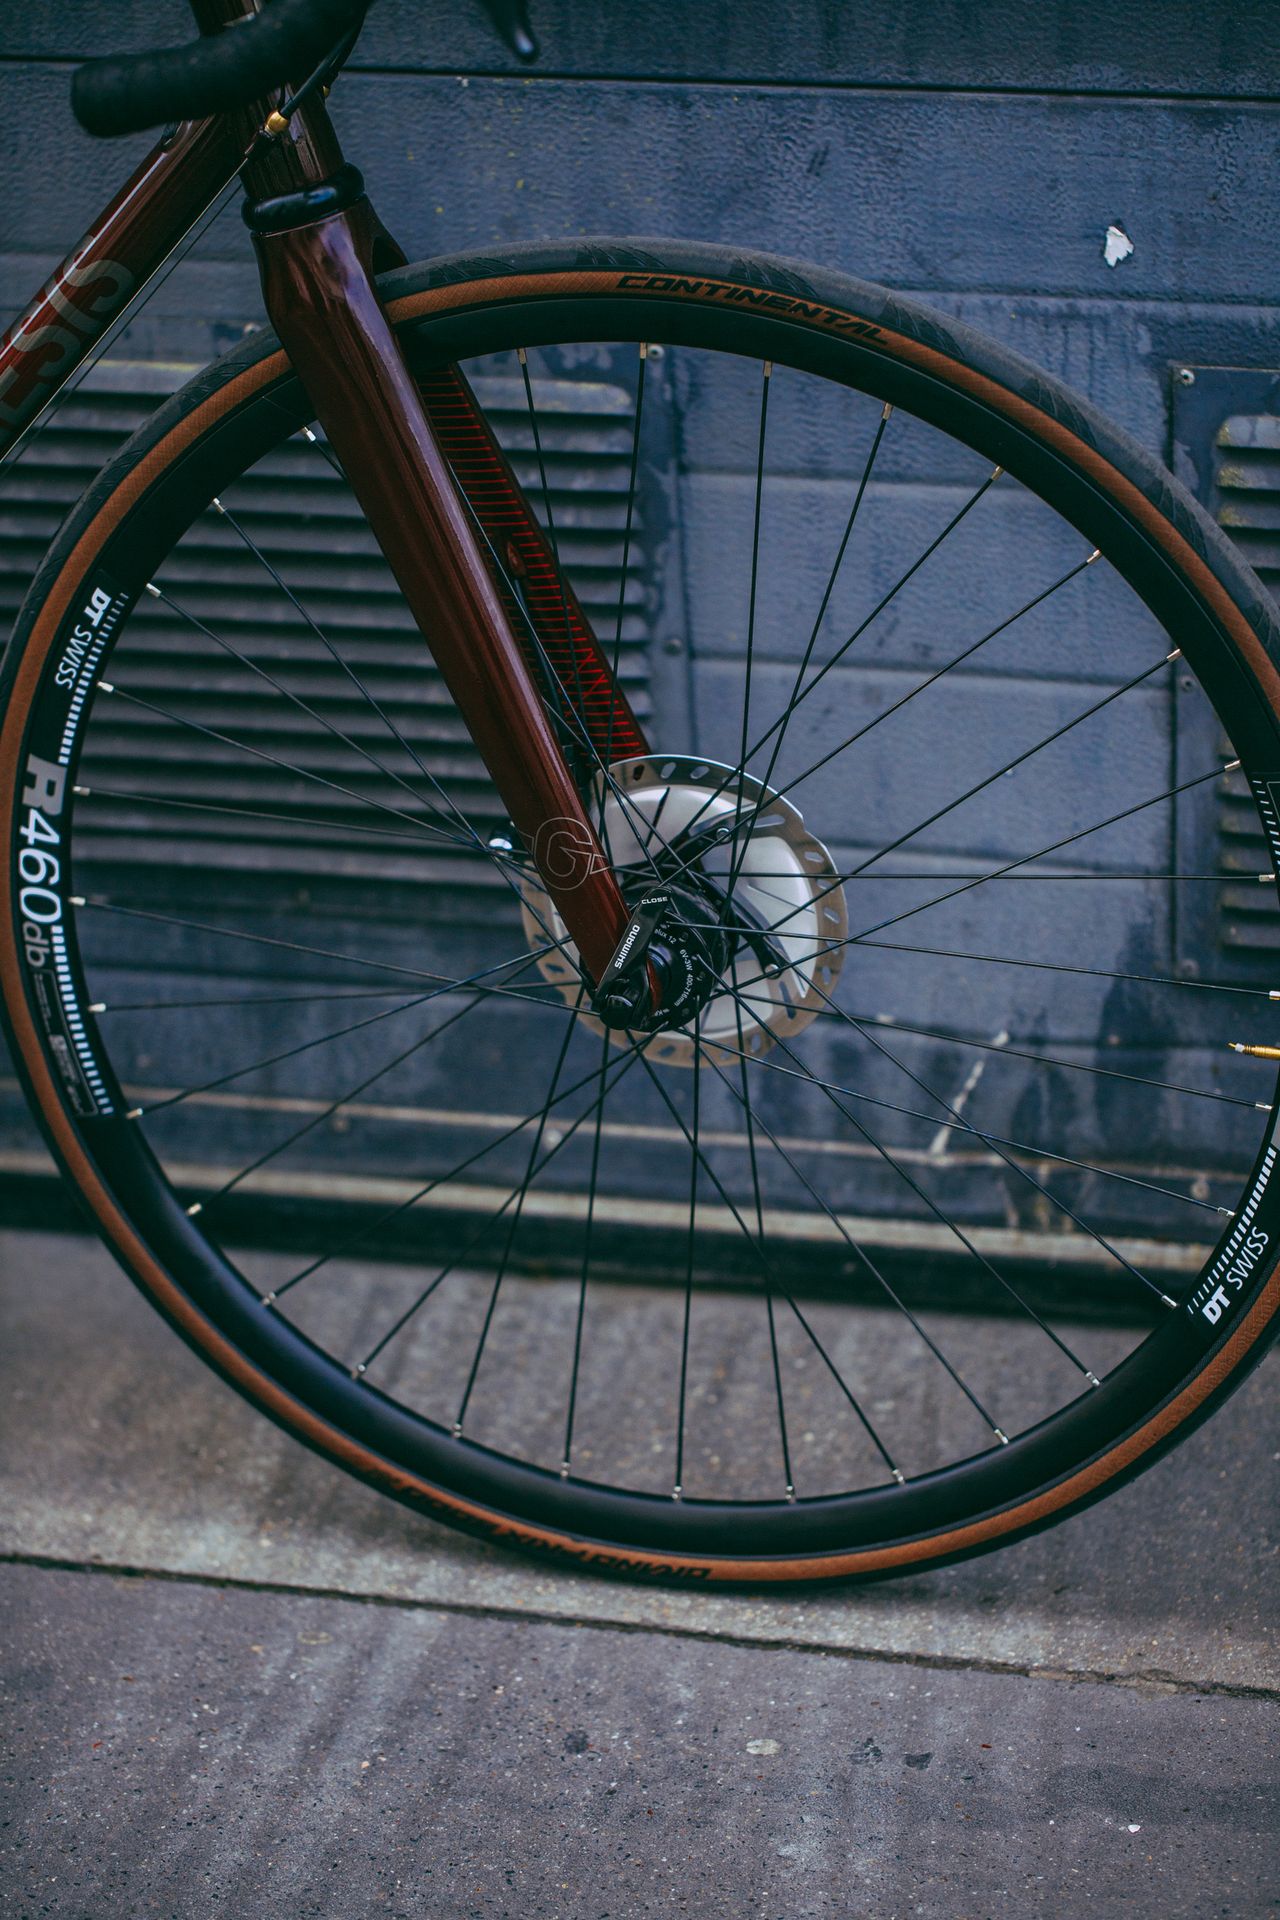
748	919
676	931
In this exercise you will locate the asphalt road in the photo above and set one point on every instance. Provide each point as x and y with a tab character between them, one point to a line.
235	1681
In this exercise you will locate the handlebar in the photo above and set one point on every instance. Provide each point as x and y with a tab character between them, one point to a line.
126	93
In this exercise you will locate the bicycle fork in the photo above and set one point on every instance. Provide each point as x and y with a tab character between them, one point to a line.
315	259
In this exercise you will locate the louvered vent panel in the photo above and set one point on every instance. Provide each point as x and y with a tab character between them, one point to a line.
304	521
1226	432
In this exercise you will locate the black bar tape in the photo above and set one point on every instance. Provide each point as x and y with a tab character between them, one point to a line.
129	92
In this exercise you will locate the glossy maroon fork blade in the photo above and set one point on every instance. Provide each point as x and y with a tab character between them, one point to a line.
323	304
587	689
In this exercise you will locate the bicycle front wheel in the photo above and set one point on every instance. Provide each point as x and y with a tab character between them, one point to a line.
949	1207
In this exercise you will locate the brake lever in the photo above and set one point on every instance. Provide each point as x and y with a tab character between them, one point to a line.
511	18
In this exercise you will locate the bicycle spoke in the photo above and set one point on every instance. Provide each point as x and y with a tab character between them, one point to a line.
886	415
788	1477
744	822
914	693
422	830
802	694
890	1291
97	905
486	1226
253	666
932	873
345	667
513	1227
1006	1051
677	1490
995	1140
952	1227
365	1232
335	1106
558	718
324	1039
997	1143
1127	813
628	527
1093	973
242	1000
567	1454
271	817
766	375
766	1270
549	517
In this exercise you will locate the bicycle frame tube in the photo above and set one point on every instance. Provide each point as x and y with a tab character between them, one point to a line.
157	206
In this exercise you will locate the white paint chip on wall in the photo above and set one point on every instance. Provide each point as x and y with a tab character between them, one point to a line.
1116	246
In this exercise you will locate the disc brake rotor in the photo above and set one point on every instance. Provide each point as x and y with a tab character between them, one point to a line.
786	894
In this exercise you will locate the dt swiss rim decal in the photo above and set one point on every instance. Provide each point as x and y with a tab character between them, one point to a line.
42	845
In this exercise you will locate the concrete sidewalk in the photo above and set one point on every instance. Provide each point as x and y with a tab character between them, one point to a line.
238	1679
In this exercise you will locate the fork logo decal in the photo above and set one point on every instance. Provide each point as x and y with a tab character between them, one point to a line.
566	853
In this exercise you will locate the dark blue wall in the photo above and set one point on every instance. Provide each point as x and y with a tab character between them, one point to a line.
971	155
974	154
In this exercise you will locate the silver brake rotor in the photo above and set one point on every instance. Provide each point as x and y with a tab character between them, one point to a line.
786	884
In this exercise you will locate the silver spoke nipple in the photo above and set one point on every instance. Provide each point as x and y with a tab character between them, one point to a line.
154	590
791	1494
77	899
82	792
105	686
268	1299
644	349
197	1206
677	1493
768	369
1231	766
522	356
564	1469
1095	555
1092	1378
134	1113
308	435
899	1476
98	1006
996	472
1167	1301
1264	877
218	506
457	1429
1175	655
888	409
1273	993
1002	1437
359	1370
